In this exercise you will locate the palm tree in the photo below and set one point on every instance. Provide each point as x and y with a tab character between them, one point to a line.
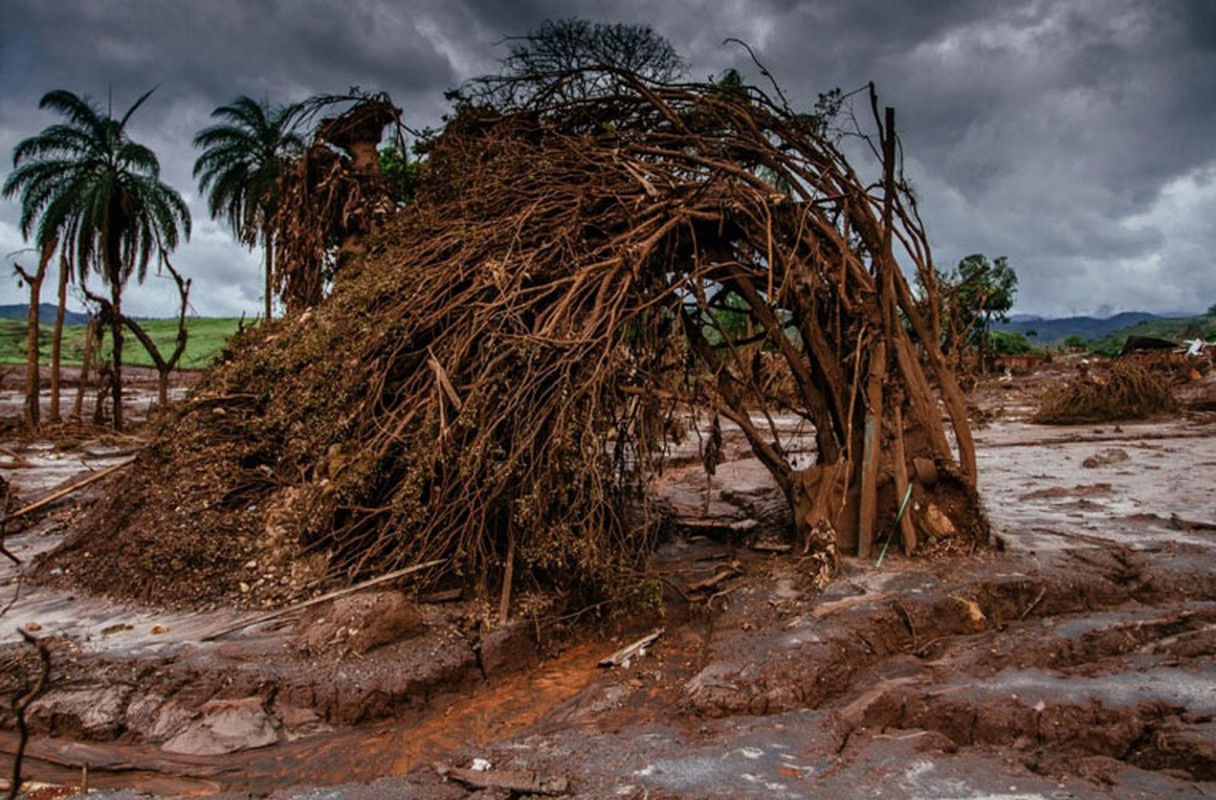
243	158
85	181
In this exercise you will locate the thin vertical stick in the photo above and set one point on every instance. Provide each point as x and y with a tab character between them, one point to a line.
906	530
504	603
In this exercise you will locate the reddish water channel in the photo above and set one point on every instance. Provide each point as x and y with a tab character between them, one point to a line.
364	753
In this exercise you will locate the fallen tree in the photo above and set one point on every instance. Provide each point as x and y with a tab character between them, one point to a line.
493	382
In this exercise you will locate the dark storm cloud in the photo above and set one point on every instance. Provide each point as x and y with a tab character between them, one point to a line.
1071	135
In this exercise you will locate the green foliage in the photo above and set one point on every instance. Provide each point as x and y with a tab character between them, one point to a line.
399	173
1076	342
85	182
985	289
242	160
1009	344
241	170
972	296
733	319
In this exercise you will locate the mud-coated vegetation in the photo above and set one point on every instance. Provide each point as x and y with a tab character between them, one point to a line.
493	381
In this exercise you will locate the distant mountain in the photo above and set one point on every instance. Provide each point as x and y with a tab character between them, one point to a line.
46	314
1053	331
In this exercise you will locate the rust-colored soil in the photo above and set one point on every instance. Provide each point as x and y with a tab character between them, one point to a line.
1076	658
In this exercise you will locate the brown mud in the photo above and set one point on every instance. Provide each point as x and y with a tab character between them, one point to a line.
1075	658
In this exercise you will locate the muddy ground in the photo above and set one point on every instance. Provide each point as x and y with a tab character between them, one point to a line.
1075	658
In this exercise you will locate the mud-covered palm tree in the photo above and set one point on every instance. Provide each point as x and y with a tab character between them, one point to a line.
85	181
243	158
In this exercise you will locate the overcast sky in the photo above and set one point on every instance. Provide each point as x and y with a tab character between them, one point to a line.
1076	137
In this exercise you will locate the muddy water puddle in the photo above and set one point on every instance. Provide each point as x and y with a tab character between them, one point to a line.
496	711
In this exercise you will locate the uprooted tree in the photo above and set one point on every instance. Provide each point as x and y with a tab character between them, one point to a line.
494	381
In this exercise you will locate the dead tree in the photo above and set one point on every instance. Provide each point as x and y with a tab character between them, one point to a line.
494	382
33	280
165	366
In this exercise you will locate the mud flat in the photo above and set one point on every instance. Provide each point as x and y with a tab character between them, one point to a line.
1073	659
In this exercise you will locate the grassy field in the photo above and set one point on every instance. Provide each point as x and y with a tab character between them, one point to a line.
206	335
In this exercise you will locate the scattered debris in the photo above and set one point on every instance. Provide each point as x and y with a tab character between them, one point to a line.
72	487
1105	458
827	609
20	703
1137	343
731	570
624	656
1128	391
769	546
120	627
523	782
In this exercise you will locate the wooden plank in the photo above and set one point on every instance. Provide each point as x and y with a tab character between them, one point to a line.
67	490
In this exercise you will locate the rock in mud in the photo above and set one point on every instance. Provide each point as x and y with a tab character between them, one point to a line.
359	623
225	726
91	713
1105	458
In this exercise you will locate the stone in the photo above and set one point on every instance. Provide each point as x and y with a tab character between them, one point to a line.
225	726
360	623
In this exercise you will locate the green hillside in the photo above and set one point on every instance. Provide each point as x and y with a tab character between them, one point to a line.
1048	332
1175	329
206	335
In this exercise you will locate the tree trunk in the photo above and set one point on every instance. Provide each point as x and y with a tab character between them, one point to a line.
269	276
116	351
164	366
33	407
57	338
33	403
90	336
